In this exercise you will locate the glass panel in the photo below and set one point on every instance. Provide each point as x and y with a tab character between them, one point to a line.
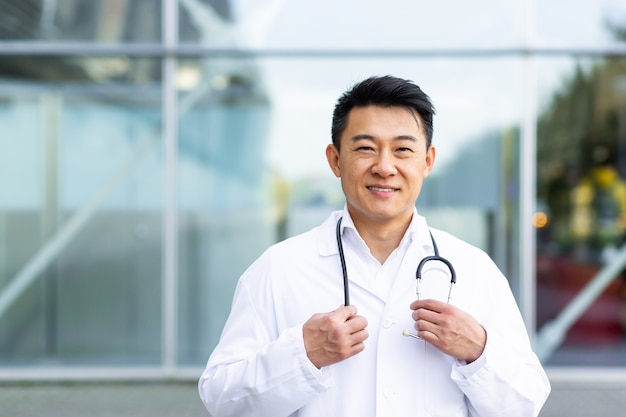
253	168
330	24
80	218
101	21
209	22
226	193
581	24
581	188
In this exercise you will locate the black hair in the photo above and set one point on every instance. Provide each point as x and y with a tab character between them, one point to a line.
385	91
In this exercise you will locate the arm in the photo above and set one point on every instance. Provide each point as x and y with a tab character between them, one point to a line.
495	366
263	368
504	381
508	378
252	371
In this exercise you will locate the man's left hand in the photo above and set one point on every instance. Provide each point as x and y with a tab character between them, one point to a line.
449	329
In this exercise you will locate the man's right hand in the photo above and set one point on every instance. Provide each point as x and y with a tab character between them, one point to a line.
332	337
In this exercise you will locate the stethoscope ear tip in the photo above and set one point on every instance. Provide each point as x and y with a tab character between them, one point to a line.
405	332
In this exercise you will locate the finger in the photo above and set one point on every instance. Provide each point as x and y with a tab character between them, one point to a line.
356	324
345	312
427	315
427	326
358	337
429	304
430	337
429	332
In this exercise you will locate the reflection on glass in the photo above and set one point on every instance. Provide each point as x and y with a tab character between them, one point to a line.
582	193
328	24
580	24
226	190
100	21
80	220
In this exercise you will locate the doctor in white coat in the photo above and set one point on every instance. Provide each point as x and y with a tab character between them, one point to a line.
294	345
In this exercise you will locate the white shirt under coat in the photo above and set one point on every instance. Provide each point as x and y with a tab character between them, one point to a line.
260	367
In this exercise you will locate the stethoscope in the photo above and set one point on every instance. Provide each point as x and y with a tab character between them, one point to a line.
418	272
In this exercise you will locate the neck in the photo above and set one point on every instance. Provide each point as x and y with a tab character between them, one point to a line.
382	238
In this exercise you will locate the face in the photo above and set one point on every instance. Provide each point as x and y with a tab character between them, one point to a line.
382	164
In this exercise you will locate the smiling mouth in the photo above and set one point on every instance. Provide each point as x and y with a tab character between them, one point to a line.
381	189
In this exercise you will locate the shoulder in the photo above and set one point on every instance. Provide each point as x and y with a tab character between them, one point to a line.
451	242
294	245
461	252
300	249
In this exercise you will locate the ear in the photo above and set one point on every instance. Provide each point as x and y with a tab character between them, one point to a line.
332	155
431	153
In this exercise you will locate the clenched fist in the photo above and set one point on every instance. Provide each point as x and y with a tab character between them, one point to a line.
332	337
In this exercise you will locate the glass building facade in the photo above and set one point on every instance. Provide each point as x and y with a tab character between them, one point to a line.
150	150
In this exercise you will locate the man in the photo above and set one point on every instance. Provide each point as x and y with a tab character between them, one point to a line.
287	349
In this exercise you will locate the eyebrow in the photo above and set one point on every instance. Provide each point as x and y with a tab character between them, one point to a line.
364	136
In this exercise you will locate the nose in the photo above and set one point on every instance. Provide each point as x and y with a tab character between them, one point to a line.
384	165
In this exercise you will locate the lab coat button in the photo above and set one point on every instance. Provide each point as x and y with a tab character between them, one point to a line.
387	323
389	393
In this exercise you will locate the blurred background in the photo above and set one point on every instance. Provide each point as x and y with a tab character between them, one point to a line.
150	150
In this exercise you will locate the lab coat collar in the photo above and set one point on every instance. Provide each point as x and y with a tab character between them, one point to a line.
421	232
417	232
327	241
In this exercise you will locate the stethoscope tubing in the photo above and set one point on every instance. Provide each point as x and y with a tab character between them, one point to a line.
418	272
344	269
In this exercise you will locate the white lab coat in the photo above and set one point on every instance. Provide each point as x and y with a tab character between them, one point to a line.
260	367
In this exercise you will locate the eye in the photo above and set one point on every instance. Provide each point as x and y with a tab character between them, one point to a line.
404	150
364	148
